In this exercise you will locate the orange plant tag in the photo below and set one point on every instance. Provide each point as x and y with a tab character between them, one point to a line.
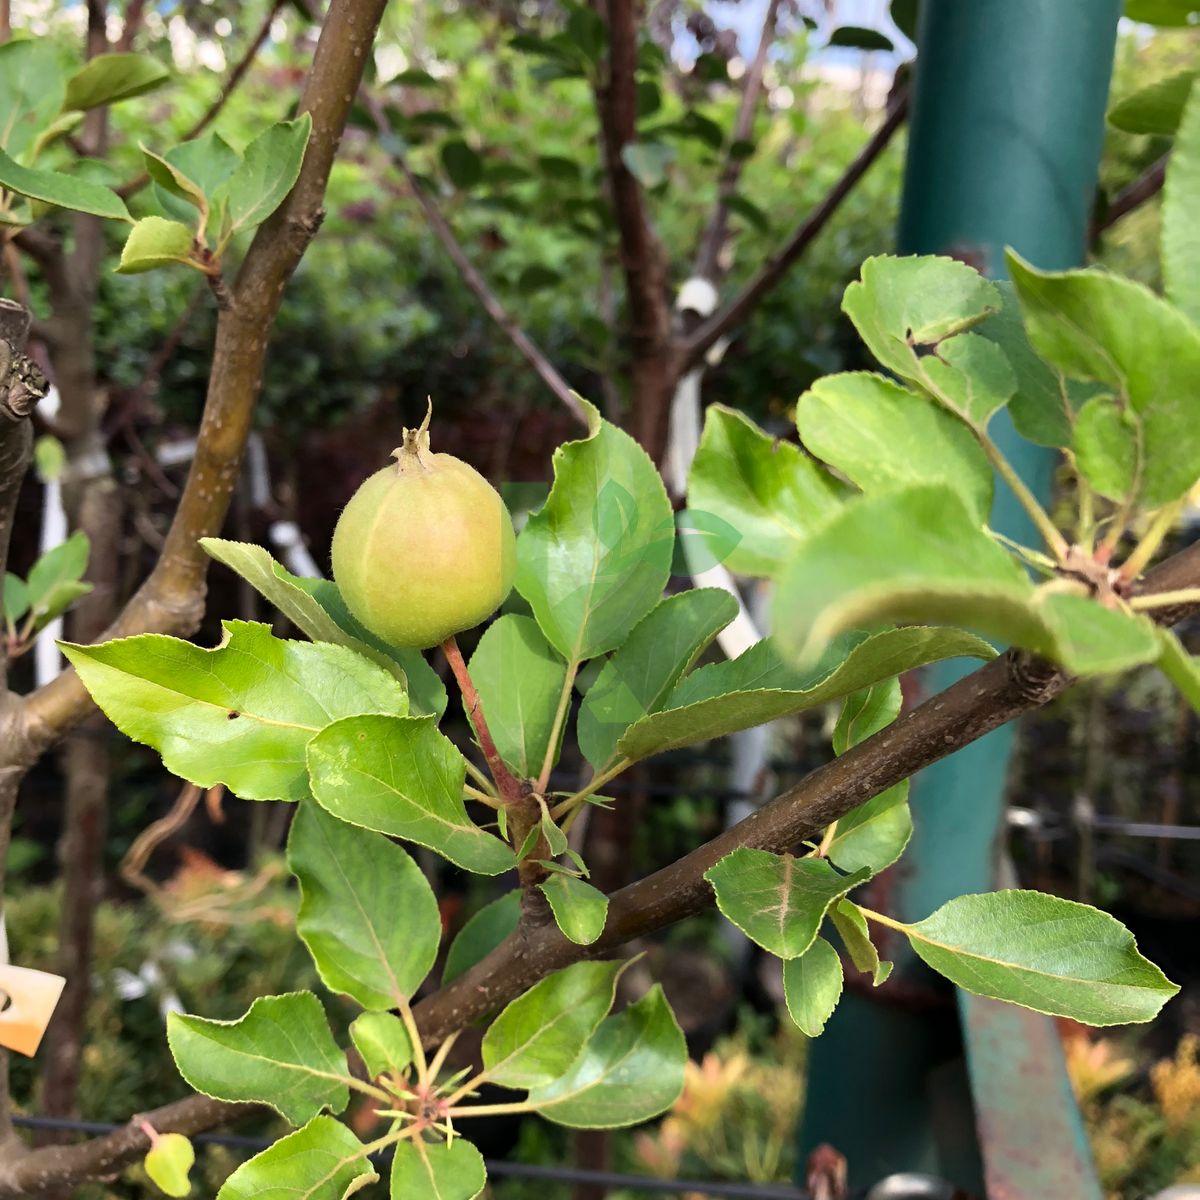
32	997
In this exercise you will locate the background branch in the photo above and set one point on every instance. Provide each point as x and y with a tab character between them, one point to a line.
488	299
1133	195
652	369
773	270
712	240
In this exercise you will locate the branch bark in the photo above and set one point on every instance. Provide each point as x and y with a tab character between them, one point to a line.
172	598
653	370
776	267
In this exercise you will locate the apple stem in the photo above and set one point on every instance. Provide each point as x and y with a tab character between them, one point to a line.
510	787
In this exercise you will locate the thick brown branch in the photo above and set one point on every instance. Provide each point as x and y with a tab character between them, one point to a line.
712	241
488	299
171	599
777	266
653	367
1147	185
52	1168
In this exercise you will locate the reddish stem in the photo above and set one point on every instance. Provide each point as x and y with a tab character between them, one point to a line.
509	785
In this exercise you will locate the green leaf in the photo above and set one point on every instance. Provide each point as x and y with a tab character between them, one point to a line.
812	986
49	458
205	163
1162	12
594	559
1181	196
279	1053
918	555
322	1161
64	191
647	162
540	1034
16	598
777	900
65	563
32	87
155	242
462	164
443	1171
56	602
481	935
519	678
175	181
640	674
1180	667
298	600
580	910
168	1162
63	124
748	211
241	714
904	17
880	436
770	491
852	926
1052	955
913	313
400	776
630	1070
1155	108
353	883
268	171
1097	326
1044	407
865	713
758	687
875	834
111	78
383	1042
859	38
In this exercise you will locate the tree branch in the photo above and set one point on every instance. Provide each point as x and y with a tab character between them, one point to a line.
46	1171
712	241
774	269
488	299
172	598
1147	185
653	368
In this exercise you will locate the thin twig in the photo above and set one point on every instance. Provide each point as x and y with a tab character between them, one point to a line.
1147	185
712	241
774	269
491	303
510	787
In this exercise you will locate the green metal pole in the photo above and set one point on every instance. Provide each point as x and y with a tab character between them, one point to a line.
1004	148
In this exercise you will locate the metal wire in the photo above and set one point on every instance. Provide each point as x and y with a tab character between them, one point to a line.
496	1169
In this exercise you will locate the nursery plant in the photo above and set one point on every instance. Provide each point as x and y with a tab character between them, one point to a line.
874	528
